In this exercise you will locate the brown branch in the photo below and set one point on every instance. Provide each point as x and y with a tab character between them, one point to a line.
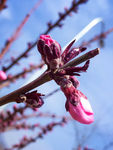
9	80
12	97
45	77
3	4
62	16
22	126
16	33
25	141
40	114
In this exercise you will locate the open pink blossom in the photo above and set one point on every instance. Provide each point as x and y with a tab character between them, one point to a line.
2	75
78	105
81	112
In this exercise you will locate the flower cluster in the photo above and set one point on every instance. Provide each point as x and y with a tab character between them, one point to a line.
77	103
32	99
50	51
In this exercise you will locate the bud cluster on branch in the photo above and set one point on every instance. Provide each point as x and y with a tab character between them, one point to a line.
62	67
77	103
62	71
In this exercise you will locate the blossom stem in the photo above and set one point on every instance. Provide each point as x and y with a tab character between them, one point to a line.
45	77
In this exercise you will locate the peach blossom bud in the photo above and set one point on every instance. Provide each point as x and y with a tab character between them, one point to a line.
48	48
78	105
81	111
2	75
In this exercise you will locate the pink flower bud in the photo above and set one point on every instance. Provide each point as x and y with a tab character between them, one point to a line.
48	40
2	75
78	105
49	48
81	112
34	100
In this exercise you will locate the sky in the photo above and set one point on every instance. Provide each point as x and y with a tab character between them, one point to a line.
96	84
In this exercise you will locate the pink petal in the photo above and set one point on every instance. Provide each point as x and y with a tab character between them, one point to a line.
2	75
47	38
82	112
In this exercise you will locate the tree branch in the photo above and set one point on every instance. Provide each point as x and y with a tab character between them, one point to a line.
45	77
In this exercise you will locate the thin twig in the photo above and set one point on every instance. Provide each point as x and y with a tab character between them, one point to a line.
51	93
12	79
56	24
25	141
97	37
16	33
